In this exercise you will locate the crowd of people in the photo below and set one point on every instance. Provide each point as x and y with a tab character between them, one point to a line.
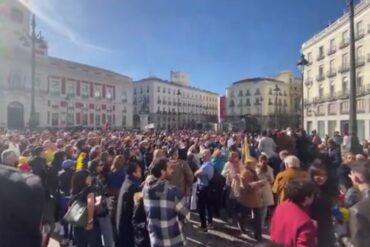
129	188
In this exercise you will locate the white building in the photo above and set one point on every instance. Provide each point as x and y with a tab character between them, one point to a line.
66	93
326	90
258	99
172	104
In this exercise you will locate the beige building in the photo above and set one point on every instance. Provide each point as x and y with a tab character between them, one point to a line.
172	104
66	93
259	100
326	78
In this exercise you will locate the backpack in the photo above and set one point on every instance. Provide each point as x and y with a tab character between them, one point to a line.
215	186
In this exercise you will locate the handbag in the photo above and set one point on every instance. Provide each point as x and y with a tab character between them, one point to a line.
77	214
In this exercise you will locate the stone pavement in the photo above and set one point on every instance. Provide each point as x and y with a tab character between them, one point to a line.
222	236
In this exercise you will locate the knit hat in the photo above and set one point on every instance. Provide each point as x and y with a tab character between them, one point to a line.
67	164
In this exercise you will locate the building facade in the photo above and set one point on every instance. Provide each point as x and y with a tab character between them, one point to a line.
327	76
67	94
173	104
265	102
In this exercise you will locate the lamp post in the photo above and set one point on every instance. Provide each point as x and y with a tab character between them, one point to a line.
352	89
276	90
178	108
302	63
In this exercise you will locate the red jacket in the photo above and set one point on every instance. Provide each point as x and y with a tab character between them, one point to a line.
291	226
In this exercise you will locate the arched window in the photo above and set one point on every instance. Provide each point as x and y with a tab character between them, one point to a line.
16	15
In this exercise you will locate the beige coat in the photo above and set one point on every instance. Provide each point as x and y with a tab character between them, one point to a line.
182	176
250	196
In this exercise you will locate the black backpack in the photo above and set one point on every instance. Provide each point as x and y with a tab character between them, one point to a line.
215	186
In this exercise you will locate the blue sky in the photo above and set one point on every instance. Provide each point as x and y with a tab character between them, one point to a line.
216	41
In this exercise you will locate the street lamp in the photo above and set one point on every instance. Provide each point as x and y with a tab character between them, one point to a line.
302	63
35	38
355	145
276	90
178	107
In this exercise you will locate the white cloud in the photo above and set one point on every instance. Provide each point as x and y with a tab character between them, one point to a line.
46	12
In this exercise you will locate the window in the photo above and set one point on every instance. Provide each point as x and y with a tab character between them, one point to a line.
141	90
359	52
332	88
70	88
109	93
321	51
332	65
321	91
84	119
97	93
344	107
359	80
54	119
332	44
70	119
124	97
345	85
309	57
361	105
147	89
164	90
16	15
134	91
257	91
84	88
321	71
359	28
97	119
345	36
345	60
332	108
158	89
54	86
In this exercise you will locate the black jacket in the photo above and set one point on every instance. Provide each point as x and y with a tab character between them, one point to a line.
125	209
22	199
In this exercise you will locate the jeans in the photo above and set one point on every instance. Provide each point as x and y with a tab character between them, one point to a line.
106	231
263	216
204	206
231	206
84	238
63	205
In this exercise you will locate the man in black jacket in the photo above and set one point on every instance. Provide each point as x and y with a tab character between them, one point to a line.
21	207
125	206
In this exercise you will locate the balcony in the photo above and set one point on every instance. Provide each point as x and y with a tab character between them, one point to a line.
331	73
343	94
320	57
360	61
361	91
360	34
332	51
308	82
343	44
320	77
344	68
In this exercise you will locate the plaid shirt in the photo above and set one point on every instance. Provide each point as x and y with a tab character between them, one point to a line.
164	207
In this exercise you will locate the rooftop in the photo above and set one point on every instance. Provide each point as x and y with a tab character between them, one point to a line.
333	26
174	84
256	80
85	66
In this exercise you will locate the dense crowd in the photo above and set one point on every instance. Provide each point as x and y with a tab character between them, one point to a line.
115	188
